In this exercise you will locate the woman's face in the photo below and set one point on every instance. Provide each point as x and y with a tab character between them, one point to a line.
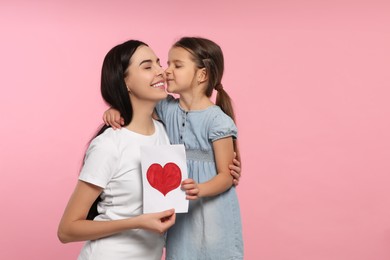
181	73
144	77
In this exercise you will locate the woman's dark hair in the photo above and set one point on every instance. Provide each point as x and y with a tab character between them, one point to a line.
114	91
207	54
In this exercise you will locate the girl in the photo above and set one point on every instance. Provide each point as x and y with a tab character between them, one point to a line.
132	82
212	227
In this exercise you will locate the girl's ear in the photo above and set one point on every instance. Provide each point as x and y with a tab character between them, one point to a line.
202	75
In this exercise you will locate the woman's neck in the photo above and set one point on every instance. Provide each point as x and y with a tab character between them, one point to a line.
142	121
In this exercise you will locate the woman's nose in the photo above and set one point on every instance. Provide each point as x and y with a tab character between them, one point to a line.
160	71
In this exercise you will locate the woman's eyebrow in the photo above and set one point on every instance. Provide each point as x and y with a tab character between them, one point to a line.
145	61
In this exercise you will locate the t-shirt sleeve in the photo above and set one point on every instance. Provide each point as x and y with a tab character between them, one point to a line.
222	126
100	162
163	106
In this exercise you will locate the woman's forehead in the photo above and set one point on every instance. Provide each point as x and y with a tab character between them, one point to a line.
143	53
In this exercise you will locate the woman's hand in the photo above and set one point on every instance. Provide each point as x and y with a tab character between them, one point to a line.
235	170
157	222
113	118
191	188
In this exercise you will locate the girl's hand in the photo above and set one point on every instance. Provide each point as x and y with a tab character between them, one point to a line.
113	118
158	222
191	188
235	170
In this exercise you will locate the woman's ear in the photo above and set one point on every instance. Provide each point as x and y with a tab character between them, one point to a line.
128	89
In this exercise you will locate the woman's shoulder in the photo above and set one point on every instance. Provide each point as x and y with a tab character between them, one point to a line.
104	145
109	138
159	124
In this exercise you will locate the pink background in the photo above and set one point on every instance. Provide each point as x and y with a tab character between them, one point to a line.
310	81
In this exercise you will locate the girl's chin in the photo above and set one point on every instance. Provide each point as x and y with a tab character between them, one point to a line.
171	90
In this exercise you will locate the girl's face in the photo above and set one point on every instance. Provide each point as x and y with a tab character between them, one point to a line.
144	78
181	73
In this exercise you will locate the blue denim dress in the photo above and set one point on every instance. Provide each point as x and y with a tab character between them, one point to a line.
212	227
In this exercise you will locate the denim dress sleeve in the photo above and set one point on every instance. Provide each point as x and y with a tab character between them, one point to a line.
222	126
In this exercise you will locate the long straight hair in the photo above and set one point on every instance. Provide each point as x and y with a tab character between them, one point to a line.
114	91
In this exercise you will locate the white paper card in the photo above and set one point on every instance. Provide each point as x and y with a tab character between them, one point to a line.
164	167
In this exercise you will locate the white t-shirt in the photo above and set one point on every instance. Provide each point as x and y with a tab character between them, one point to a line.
113	162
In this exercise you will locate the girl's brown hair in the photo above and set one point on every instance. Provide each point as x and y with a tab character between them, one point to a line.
207	54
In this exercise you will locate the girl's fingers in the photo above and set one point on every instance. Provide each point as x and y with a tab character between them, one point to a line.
104	119
118	121
114	124
188	186
187	181
192	192
236	162
234	168
235	174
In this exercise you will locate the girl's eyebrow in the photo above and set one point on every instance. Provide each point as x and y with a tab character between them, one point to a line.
174	61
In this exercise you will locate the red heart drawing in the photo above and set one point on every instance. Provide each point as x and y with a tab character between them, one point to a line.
164	179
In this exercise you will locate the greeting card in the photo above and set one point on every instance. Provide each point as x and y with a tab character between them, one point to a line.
164	167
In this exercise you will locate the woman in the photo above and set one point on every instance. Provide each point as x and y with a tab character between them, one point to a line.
132	82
